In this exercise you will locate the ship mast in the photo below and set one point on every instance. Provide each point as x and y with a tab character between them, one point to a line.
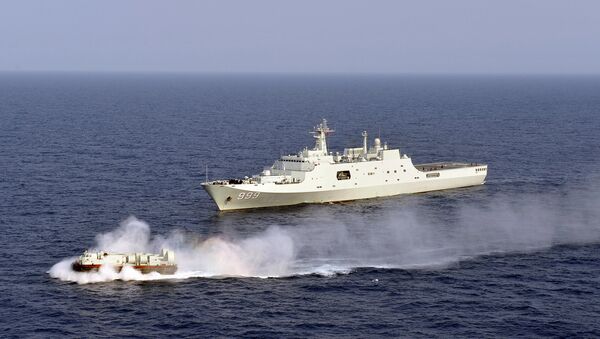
320	134
365	148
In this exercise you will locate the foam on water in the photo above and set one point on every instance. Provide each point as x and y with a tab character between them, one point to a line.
407	239
267	254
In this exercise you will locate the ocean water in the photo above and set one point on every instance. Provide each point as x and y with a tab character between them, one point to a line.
115	161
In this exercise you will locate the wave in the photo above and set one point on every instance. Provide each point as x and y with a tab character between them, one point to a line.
413	237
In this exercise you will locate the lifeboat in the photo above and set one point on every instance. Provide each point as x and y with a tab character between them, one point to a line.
163	263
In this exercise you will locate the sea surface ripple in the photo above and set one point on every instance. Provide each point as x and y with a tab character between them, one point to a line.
116	160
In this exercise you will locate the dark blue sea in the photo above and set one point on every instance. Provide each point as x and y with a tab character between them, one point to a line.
115	162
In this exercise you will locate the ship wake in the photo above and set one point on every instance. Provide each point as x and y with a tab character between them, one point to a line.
267	254
415	236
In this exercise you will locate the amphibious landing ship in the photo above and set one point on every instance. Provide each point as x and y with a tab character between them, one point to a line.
318	176
163	263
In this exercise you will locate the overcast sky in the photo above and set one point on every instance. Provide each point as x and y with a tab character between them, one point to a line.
374	36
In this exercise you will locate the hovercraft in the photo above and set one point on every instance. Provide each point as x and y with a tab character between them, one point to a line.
163	263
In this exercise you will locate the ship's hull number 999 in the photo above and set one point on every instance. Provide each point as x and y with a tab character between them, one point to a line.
248	195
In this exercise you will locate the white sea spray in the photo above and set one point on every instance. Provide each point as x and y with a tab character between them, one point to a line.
409	238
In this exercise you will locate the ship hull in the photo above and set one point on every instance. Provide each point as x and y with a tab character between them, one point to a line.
162	269
319	176
227	197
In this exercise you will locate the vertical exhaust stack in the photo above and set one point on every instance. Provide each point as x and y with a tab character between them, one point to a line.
318	176
365	148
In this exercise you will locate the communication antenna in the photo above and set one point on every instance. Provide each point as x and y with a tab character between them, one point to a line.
206	176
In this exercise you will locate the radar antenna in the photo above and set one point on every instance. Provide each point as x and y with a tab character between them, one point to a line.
320	133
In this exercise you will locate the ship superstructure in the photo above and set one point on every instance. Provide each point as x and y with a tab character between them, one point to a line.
163	263
318	176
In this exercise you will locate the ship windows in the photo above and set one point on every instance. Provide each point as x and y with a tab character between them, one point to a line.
343	175
404	170
394	171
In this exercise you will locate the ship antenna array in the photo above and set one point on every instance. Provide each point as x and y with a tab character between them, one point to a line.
206	176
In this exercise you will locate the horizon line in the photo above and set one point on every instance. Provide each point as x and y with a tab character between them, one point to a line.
297	73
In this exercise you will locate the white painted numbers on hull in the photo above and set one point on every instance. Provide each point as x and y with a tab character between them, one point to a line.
317	175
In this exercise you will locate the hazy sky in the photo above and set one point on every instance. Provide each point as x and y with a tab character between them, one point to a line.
302	36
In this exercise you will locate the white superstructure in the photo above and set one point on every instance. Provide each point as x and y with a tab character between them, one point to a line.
318	176
144	262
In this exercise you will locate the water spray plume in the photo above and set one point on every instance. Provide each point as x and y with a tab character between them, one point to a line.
409	238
